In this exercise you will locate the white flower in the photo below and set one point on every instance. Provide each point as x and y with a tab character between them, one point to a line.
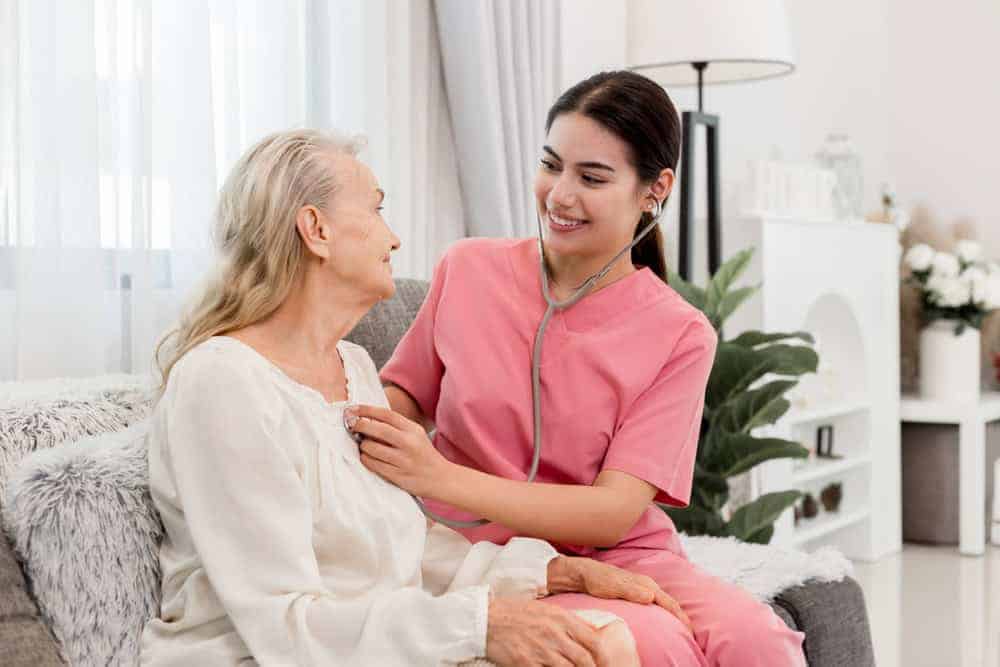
945	265
948	291
976	280
969	251
919	257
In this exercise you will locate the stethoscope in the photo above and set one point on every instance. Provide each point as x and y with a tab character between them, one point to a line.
536	354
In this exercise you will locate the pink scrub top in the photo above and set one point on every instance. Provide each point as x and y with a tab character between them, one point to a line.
623	377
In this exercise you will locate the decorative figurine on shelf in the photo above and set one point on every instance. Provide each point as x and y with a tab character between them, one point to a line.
810	507
824	442
892	213
830	496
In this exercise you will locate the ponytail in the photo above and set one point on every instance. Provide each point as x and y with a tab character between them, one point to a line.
649	251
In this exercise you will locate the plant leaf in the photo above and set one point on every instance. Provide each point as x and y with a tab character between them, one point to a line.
737	367
695	520
790	359
749	520
707	444
756	407
755	338
762	536
710	481
731	301
738	452
691	293
723	279
711	490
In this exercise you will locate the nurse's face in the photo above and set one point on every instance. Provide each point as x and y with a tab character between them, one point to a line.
588	194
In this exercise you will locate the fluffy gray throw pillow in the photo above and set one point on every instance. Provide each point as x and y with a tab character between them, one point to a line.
84	526
41	414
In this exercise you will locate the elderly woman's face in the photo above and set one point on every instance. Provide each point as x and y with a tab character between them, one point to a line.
362	241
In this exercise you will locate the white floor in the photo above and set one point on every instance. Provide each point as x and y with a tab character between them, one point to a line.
929	606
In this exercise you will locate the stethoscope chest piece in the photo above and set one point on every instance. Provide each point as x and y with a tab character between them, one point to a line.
349	421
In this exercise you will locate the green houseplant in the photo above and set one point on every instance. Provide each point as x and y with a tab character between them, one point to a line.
746	389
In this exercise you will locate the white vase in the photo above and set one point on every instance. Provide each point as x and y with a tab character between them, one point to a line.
949	364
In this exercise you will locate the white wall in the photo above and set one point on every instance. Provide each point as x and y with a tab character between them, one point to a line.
592	38
911	83
944	108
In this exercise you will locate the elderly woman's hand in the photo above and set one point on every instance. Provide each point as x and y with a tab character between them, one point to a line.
398	449
586	575
530	633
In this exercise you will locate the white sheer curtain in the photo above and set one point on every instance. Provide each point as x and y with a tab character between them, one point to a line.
501	64
120	118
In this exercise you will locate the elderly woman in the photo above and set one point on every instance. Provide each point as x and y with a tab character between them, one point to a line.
280	547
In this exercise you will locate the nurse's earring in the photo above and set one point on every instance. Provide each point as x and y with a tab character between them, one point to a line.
655	208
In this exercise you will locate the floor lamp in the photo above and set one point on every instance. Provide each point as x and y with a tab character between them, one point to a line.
694	43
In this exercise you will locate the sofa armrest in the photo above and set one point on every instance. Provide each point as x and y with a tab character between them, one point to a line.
783	614
25	639
835	620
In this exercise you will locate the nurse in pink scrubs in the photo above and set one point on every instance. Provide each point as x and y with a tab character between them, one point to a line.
623	375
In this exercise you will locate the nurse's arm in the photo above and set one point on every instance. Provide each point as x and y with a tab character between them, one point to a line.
400	401
598	516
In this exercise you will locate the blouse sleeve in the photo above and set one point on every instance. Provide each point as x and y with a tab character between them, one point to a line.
250	522
415	365
451	563
658	438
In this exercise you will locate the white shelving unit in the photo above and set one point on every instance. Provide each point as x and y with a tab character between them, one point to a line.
839	282
813	529
971	418
828	411
819	469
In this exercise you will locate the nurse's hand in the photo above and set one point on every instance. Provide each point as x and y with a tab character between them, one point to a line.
532	633
586	575
398	450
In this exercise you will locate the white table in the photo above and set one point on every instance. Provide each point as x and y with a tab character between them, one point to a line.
971	419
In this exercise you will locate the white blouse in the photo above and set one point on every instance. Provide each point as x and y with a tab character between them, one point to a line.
281	548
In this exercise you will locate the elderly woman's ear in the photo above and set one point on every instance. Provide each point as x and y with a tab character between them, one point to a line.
314	231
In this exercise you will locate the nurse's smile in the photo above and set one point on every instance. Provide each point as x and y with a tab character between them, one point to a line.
561	224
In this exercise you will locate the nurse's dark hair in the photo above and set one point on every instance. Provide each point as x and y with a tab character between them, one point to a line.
642	115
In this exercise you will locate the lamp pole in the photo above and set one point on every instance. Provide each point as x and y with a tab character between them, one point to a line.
690	120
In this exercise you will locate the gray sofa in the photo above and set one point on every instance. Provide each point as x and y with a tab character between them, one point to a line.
831	614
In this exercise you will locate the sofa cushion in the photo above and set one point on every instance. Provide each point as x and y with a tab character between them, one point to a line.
785	615
26	642
14	599
83	524
834	617
38	415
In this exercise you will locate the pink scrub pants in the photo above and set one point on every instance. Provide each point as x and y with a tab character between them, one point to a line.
731	628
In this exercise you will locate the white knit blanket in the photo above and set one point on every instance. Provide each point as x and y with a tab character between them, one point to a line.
764	570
